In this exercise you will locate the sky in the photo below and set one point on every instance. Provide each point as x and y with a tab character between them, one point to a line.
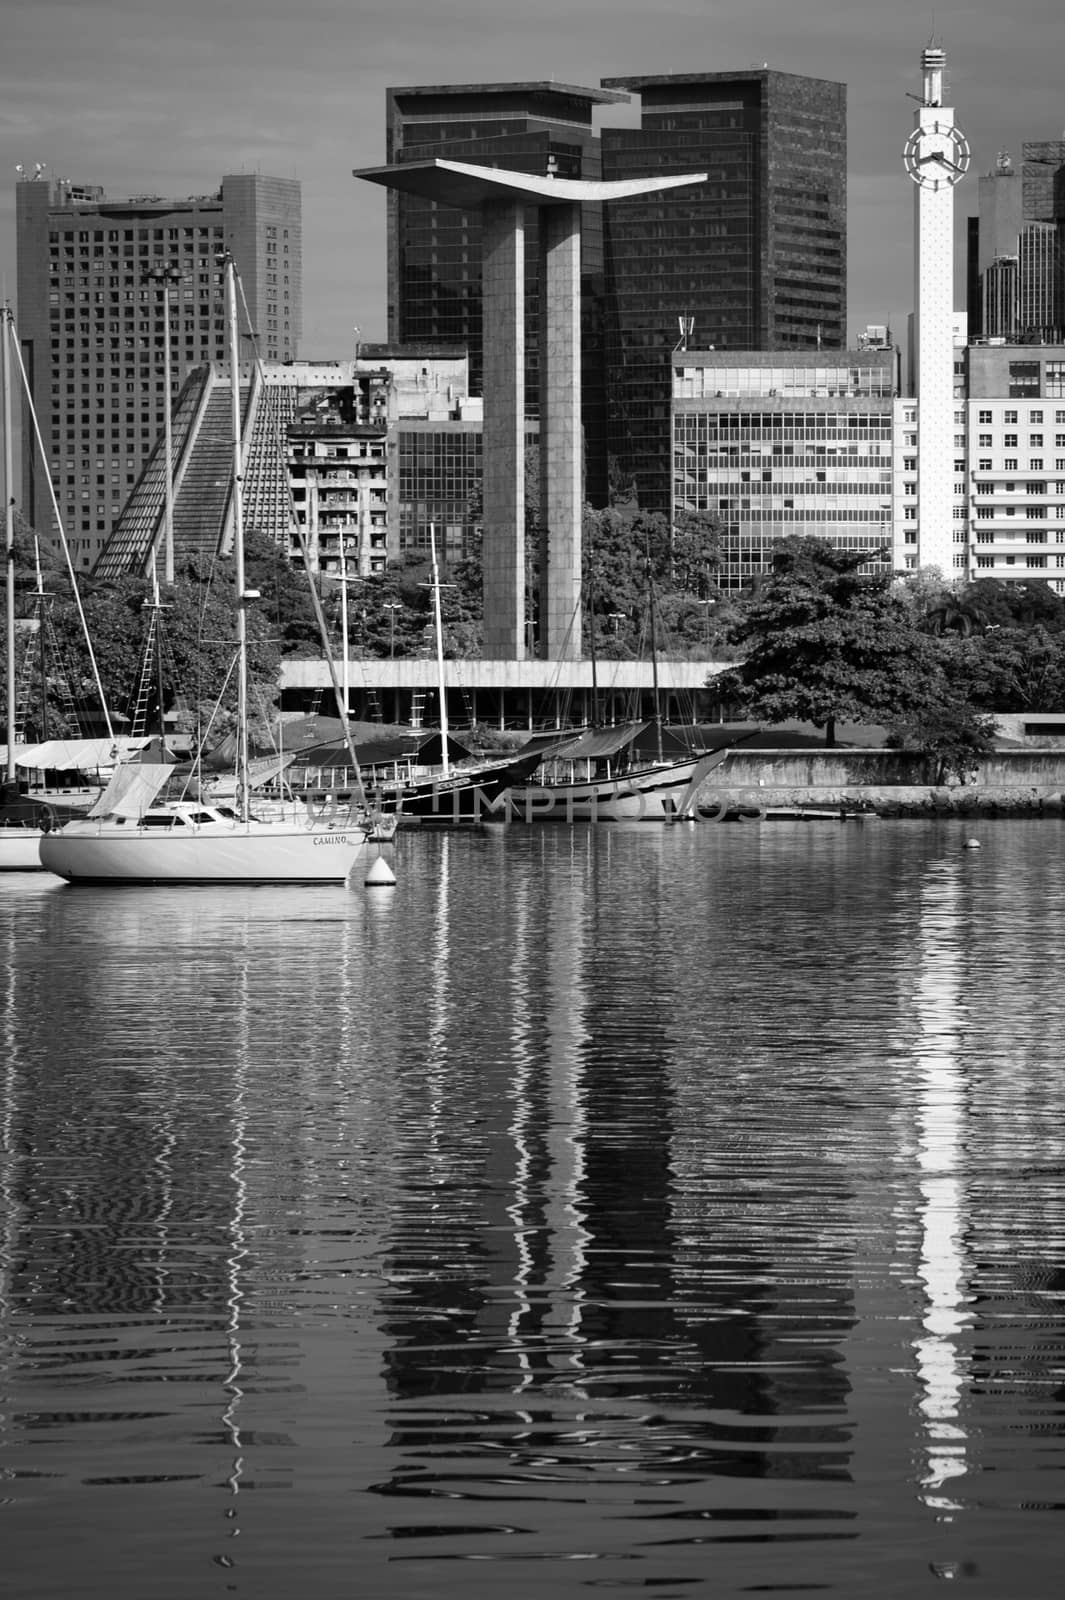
164	96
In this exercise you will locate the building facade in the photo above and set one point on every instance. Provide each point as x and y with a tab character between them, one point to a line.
1016	267
754	258
342	460
786	443
92	324
1016	477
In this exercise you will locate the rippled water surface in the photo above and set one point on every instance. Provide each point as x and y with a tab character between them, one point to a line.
598	1210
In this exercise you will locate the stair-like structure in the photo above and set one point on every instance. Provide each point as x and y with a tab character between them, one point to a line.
202	498
202	461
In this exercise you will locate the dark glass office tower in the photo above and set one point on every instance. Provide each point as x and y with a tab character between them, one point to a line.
755	258
434	253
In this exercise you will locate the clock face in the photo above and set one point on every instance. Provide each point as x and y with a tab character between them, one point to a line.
937	155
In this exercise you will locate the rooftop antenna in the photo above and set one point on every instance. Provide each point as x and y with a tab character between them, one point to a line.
687	328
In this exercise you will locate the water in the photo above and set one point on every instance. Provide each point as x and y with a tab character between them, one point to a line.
598	1210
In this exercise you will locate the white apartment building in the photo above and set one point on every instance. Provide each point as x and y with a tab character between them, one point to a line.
1016	463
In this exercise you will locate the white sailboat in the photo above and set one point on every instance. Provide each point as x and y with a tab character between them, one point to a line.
131	836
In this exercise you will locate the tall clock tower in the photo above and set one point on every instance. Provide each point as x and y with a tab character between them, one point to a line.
936	157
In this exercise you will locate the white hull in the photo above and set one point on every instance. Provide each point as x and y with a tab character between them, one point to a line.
20	850
651	794
216	852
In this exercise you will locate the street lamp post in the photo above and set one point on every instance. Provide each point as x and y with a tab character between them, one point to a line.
392	606
708	607
167	276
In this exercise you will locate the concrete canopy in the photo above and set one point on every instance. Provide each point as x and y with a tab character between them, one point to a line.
458	183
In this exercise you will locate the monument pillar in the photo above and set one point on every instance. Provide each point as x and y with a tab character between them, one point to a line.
501	197
503	543
561	437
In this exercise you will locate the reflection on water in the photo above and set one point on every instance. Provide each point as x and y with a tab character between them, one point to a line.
597	1209
941	1160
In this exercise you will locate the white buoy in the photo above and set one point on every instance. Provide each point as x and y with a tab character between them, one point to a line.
972	844
380	875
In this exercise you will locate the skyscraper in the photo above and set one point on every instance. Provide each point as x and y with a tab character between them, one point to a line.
1016	267
753	259
91	320
434	253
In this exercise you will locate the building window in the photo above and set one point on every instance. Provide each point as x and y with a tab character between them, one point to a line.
1024	379
1009	441
985	464
985	416
985	441
1010	464
1007	417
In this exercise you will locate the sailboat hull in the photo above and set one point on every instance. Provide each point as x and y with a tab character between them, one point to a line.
650	794
20	849
216	853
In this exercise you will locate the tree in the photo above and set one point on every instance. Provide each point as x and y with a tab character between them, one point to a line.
824	643
1010	669
632	557
948	731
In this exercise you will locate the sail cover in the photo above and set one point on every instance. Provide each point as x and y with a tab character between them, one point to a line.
75	755
132	789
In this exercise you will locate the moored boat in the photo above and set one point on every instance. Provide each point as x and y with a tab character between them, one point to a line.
630	773
133	835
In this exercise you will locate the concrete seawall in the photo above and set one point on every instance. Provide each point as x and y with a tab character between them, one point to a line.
1006	783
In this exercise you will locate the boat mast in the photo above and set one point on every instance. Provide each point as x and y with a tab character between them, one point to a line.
157	607
41	614
654	659
591	649
243	595
9	541
28	396
441	685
